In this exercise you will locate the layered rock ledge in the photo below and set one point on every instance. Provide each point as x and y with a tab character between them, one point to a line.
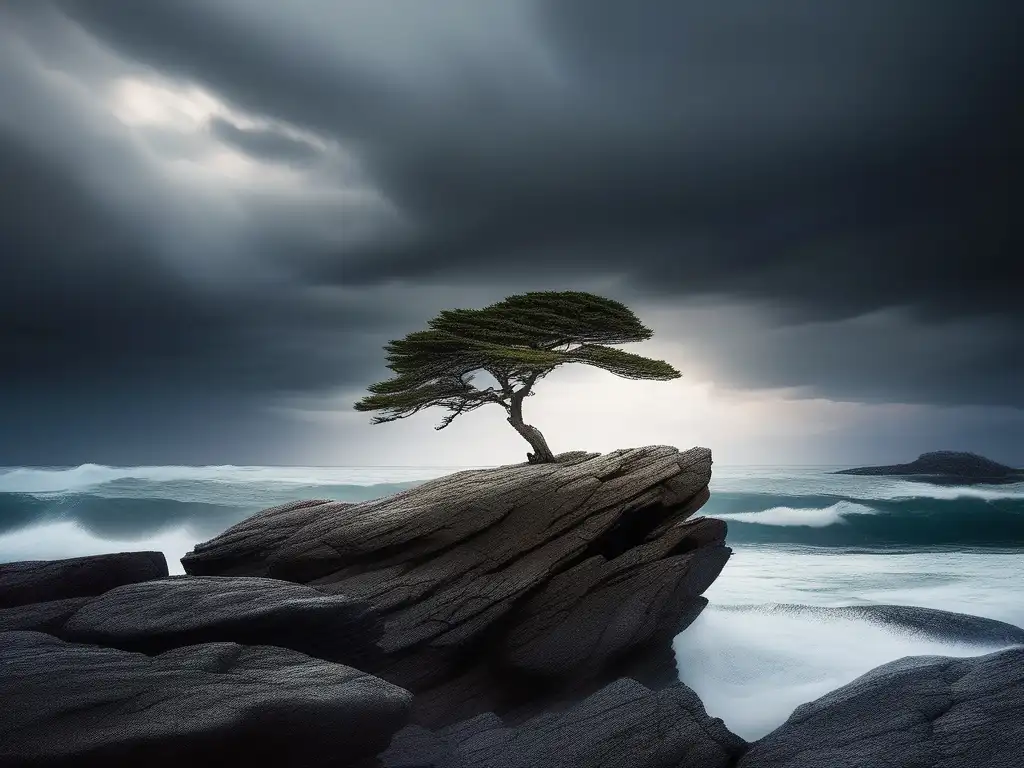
506	590
81	706
918	711
37	581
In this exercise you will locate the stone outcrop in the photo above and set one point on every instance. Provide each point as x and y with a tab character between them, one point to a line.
40	617
80	705
483	577
37	581
159	615
947	467
623	724
515	601
919	711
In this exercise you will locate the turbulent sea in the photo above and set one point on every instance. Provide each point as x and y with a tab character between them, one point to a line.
804	542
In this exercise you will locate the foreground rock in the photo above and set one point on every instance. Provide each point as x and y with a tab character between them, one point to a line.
159	615
917	712
37	581
40	617
84	706
947	467
624	724
507	589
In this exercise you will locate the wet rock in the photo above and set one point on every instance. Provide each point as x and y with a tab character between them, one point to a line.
38	581
82	706
159	615
917	712
623	724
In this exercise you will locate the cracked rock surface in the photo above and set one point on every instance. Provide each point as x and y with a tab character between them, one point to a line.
917	712
623	724
36	581
83	706
159	615
483	576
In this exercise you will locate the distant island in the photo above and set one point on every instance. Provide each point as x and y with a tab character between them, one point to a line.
947	467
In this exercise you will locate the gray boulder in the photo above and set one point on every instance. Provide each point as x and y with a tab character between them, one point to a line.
38	581
623	724
482	575
40	617
159	615
81	706
918	712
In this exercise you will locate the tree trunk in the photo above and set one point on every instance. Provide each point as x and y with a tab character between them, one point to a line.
541	453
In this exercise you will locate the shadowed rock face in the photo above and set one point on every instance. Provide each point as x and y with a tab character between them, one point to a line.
507	588
947	467
37	581
168	613
40	617
624	724
917	712
82	706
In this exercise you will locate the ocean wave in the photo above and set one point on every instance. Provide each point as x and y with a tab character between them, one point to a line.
934	521
120	519
752	666
90	476
58	540
905	489
128	509
813	517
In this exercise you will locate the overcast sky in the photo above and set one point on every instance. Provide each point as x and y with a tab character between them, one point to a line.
214	213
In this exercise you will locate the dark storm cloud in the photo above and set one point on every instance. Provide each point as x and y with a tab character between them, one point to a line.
822	159
875	358
111	281
838	158
86	301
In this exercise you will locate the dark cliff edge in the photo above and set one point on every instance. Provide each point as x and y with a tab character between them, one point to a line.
947	467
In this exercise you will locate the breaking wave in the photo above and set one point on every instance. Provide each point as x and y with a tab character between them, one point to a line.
944	517
752	665
92	476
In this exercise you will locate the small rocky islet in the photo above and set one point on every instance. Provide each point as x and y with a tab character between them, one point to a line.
515	617
947	468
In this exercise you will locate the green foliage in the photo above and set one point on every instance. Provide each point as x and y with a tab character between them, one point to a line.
518	341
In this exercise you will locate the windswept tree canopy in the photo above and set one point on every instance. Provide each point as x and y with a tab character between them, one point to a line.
517	341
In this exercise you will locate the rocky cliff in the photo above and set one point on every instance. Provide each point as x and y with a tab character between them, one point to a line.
506	590
518	592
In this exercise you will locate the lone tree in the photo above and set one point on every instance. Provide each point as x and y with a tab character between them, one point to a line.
517	341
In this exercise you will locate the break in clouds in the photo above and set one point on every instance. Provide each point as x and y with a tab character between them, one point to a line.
213	214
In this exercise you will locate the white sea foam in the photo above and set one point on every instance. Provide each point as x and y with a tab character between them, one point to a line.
86	476
813	517
752	668
804	481
984	584
66	539
903	489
